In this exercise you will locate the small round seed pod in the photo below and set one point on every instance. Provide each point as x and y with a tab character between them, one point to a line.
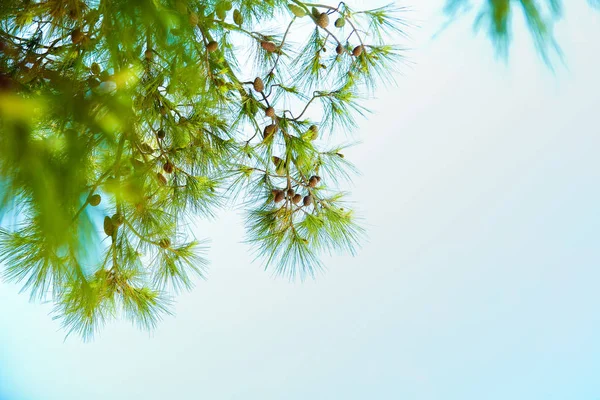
117	220
94	200
161	134
161	179
164	243
318	178
270	112
146	148
109	228
313	181
322	20
297	198
340	22
96	69
212	46
237	17
307	201
149	54
270	130
168	167
313	132
269	46
339	49
279	196
291	193
297	11
357	51
77	36
258	84
193	18
276	160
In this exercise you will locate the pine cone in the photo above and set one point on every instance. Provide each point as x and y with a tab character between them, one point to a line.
109	228
313	132
258	84
279	196
168	167
307	200
149	54
212	46
237	17
77	36
297	11
94	200
161	179
297	198
270	112
291	192
313	181
270	130
276	160
269	46
322	20
161	134
117	220
96	69
339	49
357	51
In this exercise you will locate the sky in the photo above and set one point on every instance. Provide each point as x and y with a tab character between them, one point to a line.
479	187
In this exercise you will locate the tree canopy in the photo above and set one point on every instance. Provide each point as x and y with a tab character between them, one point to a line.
123	119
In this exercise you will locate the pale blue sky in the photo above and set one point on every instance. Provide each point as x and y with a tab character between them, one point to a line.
480	188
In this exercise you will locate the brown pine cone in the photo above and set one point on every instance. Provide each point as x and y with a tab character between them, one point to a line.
168	167
279	196
258	84
94	200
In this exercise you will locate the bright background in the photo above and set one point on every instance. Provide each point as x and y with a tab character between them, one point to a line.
480	188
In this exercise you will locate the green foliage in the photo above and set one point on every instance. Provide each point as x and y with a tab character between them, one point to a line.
122	120
497	16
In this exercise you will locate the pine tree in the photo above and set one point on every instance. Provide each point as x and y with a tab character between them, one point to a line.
121	120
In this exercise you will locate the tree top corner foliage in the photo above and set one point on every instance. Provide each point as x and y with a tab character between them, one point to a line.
121	120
